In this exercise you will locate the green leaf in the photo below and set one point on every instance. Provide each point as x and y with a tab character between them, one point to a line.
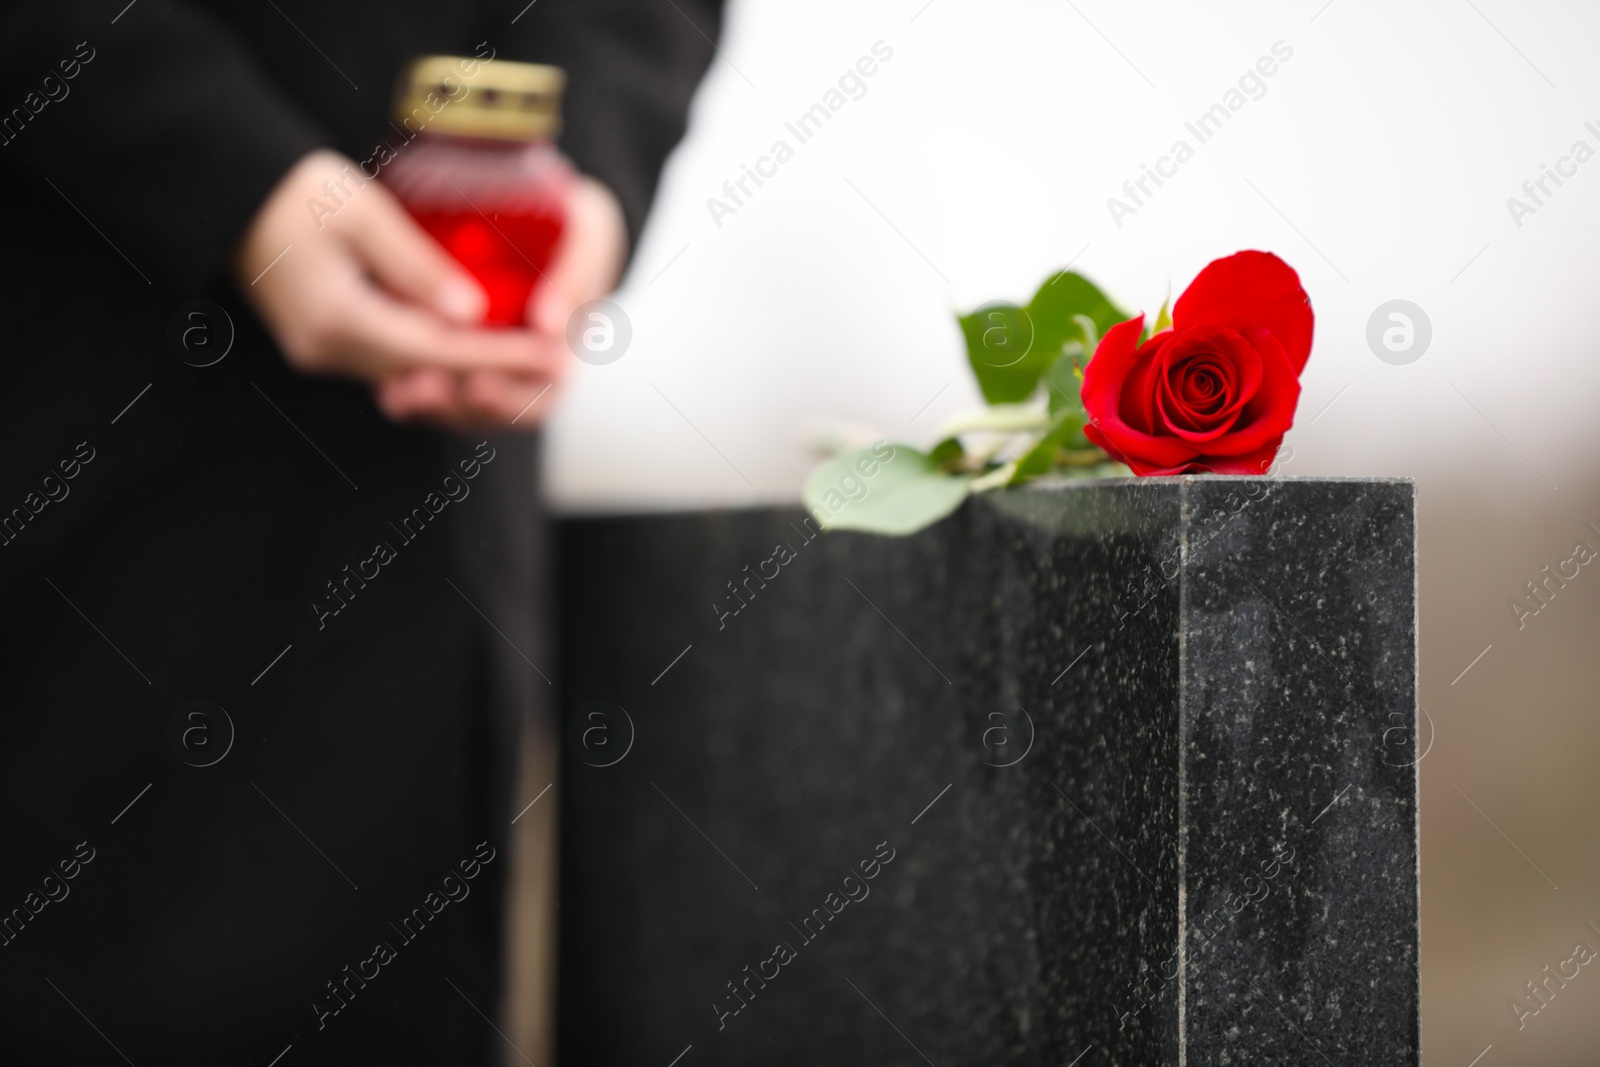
1091	333
1164	316
1037	460
947	452
900	495
1066	433
1064	380
1055	308
1010	347
1000	347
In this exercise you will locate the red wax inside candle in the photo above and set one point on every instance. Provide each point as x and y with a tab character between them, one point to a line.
506	252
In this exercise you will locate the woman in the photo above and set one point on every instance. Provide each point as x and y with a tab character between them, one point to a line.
258	779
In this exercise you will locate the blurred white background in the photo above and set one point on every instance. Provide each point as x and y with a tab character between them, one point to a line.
1378	162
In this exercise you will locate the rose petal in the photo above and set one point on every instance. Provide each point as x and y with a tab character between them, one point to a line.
1138	400
1205	384
1269	413
1140	413
1255	462
1109	367
1144	468
1225	348
1106	381
1250	292
1175	420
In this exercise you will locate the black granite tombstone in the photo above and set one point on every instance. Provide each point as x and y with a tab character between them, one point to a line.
1110	773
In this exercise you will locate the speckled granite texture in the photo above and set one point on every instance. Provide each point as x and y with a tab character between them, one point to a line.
1131	766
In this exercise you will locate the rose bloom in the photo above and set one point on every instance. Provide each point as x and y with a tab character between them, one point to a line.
1218	390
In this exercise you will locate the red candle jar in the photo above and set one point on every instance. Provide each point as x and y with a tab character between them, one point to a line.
480	170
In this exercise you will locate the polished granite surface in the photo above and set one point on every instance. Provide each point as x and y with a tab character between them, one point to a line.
1123	770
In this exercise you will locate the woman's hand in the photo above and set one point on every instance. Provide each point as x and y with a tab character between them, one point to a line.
587	265
365	293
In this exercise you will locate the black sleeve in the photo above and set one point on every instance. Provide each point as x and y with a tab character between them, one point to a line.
165	136
632	66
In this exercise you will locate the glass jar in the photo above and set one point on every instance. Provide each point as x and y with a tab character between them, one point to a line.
481	173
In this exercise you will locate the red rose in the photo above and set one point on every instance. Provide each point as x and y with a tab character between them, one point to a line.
1218	390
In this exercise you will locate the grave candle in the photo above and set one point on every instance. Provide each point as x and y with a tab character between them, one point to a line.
483	175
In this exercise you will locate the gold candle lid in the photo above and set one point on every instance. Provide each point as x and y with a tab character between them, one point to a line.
481	98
